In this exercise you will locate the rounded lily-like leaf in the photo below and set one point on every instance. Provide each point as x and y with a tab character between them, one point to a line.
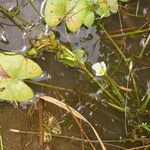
55	11
17	66
14	90
113	5
76	10
89	19
103	9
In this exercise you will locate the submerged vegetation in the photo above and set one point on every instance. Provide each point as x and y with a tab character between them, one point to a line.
124	96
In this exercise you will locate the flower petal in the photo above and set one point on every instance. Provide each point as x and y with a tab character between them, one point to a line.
100	68
103	65
96	66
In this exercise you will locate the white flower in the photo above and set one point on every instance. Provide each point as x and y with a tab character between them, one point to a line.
100	68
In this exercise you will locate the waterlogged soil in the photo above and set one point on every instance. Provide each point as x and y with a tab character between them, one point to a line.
108	122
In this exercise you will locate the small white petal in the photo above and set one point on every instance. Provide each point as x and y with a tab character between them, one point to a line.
100	68
103	65
97	74
96	66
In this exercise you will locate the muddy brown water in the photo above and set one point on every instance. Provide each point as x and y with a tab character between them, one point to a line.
109	123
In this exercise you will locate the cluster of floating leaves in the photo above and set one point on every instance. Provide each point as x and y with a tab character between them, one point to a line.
78	12
13	69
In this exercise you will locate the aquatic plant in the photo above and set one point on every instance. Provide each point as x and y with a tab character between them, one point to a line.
100	68
76	58
115	97
113	94
12	88
78	12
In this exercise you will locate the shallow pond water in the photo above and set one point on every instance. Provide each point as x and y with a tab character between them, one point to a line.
85	97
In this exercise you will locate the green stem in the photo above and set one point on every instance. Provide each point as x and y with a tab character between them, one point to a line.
49	86
136	89
33	6
130	33
20	19
116	107
113	99
144	47
89	73
64	49
124	58
4	11
137	8
12	15
116	46
54	87
116	90
145	104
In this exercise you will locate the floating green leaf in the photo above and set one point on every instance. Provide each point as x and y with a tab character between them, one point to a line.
14	68
113	5
15	90
76	10
55	11
89	19
17	66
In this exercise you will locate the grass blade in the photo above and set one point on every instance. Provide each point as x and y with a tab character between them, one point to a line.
144	106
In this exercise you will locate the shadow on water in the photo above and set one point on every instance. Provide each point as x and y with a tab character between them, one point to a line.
108	122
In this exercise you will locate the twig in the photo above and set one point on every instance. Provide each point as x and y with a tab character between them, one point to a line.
140	147
1	143
92	141
82	143
41	136
75	113
24	132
